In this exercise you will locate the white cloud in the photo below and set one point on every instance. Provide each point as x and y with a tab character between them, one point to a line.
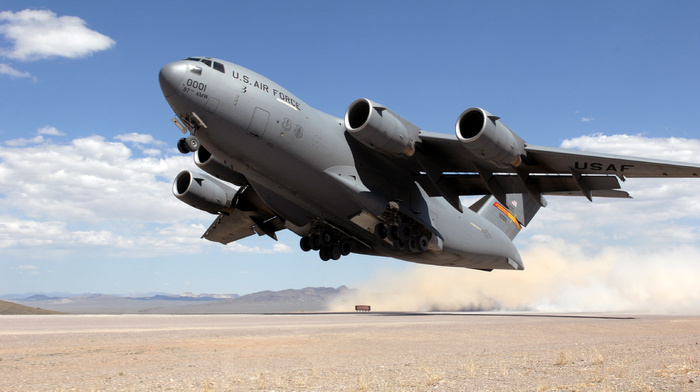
140	140
39	34
135	138
49	130
28	267
92	193
151	151
13	73
89	179
662	211
673	148
277	247
21	142
587	119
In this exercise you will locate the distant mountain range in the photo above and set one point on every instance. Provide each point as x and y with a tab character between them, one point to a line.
160	295
308	299
13	308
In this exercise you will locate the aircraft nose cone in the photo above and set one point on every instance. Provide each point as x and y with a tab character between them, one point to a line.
170	77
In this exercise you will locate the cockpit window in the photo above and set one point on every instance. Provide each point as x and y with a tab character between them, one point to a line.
207	62
194	58
219	67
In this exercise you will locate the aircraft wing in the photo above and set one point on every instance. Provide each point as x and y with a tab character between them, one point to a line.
450	170
559	160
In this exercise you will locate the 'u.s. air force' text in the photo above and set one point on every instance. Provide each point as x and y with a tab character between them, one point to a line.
264	87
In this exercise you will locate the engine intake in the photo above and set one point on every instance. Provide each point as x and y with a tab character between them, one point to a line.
381	129
488	138
203	192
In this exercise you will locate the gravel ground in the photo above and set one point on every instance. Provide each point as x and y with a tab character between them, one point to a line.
350	352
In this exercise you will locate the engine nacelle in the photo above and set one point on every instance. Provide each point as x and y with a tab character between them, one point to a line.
203	192
488	138
381	129
212	165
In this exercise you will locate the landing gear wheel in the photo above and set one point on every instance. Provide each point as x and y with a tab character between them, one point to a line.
400	244
345	247
380	231
305	243
182	146
413	245
423	243
324	253
315	241
391	234
403	232
335	252
192	143
326	238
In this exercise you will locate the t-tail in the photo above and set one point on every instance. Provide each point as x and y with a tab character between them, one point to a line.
510	217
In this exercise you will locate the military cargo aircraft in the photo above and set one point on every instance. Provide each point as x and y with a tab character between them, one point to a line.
371	182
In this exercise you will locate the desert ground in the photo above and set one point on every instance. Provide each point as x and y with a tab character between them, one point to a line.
350	352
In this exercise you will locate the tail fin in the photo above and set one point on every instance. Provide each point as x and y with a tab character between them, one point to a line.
509	217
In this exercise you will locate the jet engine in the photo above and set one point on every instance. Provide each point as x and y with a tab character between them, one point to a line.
212	165
381	129
488	138
203	192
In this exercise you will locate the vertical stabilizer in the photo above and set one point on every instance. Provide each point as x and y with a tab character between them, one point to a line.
510	217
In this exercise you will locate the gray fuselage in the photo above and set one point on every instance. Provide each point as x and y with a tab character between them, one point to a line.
307	169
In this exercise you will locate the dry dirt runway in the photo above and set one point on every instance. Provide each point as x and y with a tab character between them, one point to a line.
349	352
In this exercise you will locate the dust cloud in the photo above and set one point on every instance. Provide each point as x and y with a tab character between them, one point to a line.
558	277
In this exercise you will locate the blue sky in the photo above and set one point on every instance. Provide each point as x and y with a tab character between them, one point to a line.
87	151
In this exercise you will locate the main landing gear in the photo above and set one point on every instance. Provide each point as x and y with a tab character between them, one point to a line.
329	242
403	236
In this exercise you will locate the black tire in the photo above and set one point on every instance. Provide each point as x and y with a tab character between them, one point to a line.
315	241
324	253
380	231
423	243
345	247
391	233
335	252
400	244
182	146
403	232
305	243
192	143
327	238
413	245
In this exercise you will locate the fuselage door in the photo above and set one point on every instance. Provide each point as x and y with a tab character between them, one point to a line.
258	123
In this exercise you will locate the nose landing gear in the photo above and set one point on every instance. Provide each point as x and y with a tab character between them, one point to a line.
188	144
